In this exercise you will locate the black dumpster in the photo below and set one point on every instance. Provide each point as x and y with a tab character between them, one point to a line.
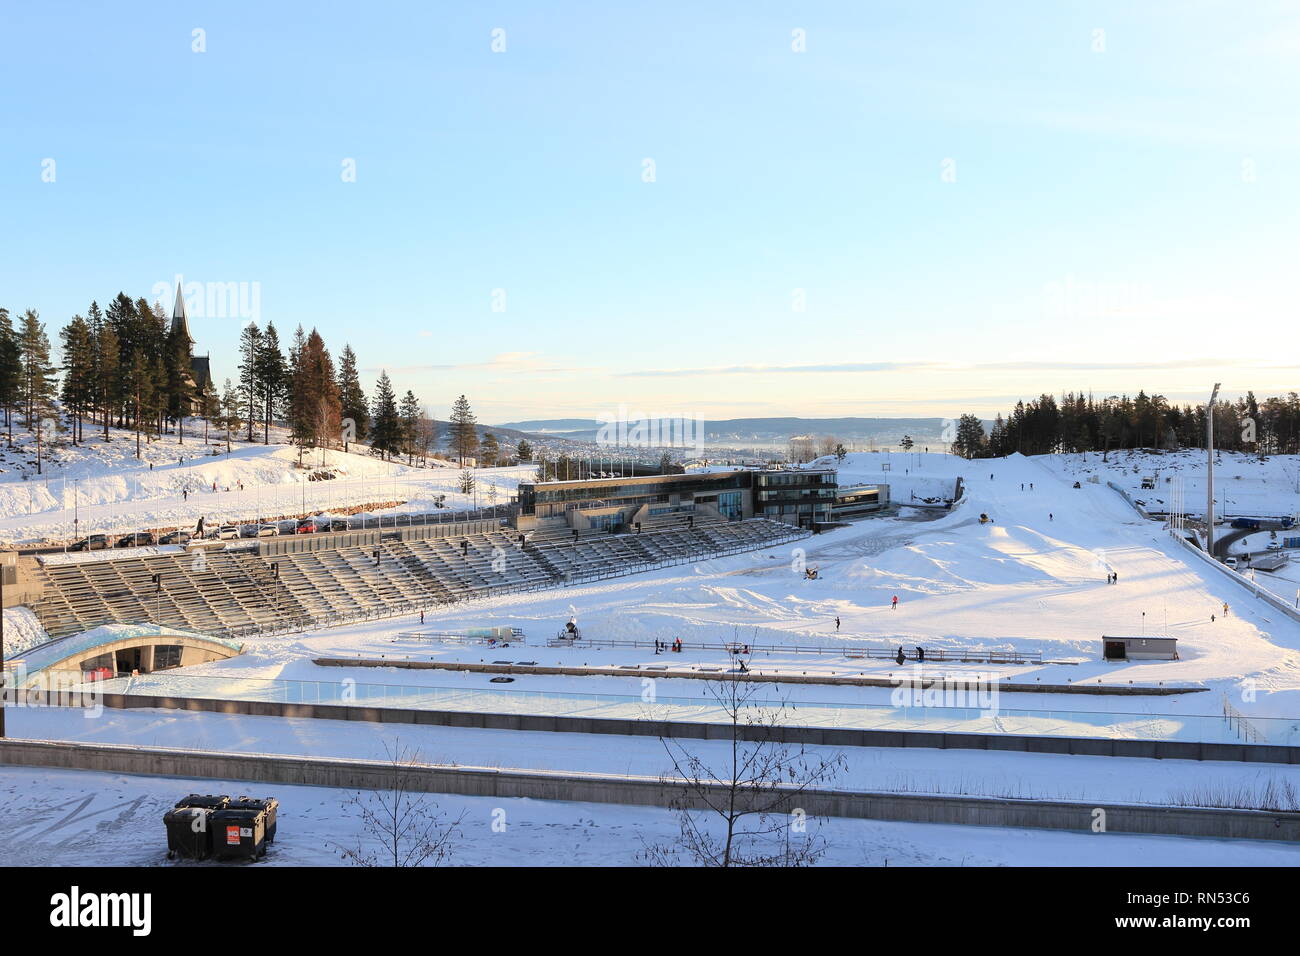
189	833
269	804
200	800
238	834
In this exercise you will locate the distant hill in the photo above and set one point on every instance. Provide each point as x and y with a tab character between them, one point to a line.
763	431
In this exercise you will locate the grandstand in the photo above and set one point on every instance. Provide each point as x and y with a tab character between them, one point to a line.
278	585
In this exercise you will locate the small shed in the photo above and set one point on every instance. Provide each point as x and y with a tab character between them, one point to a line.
1139	648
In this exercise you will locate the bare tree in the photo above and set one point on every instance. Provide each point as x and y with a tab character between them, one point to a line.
746	811
402	820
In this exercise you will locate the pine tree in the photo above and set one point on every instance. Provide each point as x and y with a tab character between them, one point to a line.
386	428
179	389
11	371
230	407
298	403
37	372
139	383
525	450
250	355
78	371
491	450
273	378
210	404
319	399
464	432
970	441
409	412
108	373
351	397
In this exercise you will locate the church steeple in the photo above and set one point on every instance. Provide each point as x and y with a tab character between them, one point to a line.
179	320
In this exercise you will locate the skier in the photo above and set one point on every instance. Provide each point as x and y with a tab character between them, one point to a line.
743	668
1022	486
900	657
920	655
1211	618
837	621
1116	576
1049	516
894	606
1031	486
421	617
1225	608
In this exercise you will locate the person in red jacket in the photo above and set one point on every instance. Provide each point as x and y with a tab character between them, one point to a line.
894	606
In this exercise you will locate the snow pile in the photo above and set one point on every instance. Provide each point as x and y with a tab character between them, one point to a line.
22	630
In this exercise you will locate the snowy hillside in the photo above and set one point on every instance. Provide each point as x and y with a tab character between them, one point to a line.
104	488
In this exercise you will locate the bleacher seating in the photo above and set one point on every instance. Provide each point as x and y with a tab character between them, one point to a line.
232	591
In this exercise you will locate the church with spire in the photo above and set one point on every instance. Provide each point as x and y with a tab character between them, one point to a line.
200	366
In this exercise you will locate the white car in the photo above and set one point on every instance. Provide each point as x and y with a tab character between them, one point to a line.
226	532
267	531
1232	563
1274	546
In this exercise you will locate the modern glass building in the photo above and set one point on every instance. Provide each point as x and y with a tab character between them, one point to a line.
800	496
857	501
797	496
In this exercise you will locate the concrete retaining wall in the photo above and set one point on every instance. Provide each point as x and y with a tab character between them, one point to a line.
648	791
767	678
832	737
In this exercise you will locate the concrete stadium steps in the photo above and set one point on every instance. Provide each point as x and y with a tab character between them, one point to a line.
218	593
224	591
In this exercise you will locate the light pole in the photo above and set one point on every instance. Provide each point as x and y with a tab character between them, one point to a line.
1209	472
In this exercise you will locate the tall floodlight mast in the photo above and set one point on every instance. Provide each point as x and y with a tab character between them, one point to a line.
1209	472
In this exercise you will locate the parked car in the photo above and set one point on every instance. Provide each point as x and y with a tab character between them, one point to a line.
1274	546
175	537
307	526
94	542
137	539
227	532
1231	562
338	524
248	530
267	531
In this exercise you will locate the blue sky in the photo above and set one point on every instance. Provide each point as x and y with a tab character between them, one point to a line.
1123	212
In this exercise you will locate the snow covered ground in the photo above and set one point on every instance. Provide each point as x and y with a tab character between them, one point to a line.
76	818
102	488
1243	484
1034	578
920	770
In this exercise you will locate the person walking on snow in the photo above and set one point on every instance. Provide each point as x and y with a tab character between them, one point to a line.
900	657
1225	608
837	621
1049	516
894	606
